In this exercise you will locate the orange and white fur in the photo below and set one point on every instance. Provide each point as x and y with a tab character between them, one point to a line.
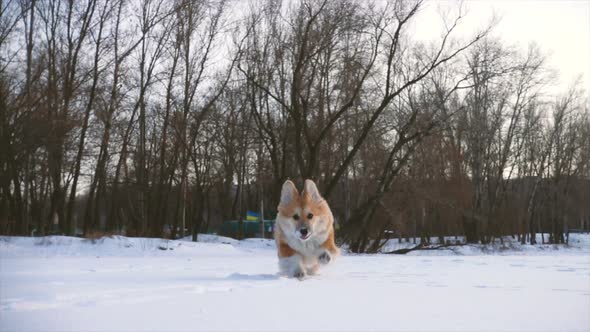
304	234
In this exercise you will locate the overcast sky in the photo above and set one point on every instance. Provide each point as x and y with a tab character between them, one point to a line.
561	28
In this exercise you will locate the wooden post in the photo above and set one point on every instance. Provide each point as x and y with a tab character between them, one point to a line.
262	211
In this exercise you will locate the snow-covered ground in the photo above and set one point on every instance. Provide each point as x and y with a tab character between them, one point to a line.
116	284
577	244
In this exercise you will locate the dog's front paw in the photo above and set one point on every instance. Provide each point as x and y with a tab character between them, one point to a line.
299	274
325	258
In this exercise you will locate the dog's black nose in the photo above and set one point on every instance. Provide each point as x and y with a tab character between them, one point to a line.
303	231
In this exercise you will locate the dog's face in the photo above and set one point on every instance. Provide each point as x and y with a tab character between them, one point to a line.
305	215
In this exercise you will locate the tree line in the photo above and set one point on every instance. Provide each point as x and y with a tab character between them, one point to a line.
160	118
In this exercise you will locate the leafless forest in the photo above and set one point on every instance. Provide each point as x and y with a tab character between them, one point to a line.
137	117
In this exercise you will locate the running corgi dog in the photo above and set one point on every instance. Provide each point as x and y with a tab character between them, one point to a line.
305	233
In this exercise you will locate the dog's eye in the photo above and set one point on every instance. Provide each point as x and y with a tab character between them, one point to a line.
296	217
309	216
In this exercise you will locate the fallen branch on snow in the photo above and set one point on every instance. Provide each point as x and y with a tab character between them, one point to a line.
421	246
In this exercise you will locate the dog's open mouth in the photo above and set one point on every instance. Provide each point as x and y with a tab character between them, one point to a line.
305	237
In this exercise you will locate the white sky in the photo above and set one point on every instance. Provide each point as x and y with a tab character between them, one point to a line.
560	28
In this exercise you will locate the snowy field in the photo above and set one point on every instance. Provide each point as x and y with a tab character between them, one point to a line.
117	284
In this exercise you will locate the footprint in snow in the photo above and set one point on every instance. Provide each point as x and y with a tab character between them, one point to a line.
87	303
240	276
486	286
435	284
579	291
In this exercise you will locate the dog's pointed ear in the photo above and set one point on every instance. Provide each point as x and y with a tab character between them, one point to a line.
311	191
288	193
